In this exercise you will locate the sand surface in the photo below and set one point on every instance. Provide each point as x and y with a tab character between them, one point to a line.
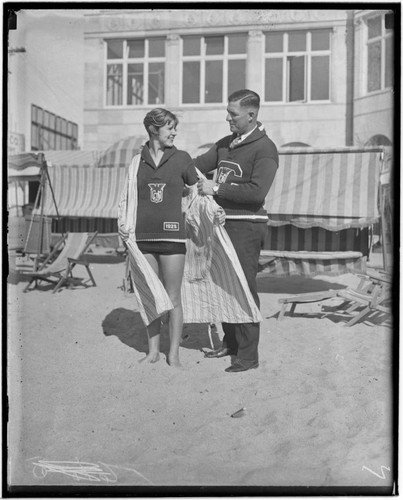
84	411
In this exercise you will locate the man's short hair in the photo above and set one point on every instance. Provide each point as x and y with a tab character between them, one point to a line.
246	98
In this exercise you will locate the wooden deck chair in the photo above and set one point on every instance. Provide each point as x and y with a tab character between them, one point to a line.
372	296
303	298
58	269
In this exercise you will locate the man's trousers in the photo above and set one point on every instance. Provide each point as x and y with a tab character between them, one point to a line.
247	238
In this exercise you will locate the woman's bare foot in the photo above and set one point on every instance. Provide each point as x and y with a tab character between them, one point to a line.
152	357
173	360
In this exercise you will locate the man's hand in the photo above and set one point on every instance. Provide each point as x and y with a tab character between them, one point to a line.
205	186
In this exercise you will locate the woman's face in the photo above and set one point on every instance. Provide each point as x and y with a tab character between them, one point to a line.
166	134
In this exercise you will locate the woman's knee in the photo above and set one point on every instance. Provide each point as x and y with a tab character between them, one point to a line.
175	299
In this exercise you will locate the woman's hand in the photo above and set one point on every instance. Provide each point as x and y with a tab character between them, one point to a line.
124	236
219	217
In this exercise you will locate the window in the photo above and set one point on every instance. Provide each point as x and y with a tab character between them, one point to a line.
380	55
135	72
297	66
213	67
49	131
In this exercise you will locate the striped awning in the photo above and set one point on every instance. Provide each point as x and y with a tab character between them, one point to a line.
121	153
85	191
25	166
332	189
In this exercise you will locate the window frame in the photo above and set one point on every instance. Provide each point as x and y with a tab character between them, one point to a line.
202	58
308	53
145	61
55	133
382	38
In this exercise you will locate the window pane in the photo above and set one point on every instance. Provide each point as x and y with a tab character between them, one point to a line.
214	77
52	140
136	48
236	75
191	46
374	66
34	111
34	137
115	49
52	121
375	27
114	84
320	40
296	78
273	80
297	41
156	83
45	135
156	47
135	84
39	116
191	82
45	119
237	44
320	78
214	45
389	62
274	42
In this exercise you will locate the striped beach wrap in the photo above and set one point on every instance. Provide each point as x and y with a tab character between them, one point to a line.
214	287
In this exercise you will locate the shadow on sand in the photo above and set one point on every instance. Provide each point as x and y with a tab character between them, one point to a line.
267	283
128	327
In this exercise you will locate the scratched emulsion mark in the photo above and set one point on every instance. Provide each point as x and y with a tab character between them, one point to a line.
81	471
383	468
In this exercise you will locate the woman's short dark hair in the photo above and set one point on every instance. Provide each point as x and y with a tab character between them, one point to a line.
158	117
247	98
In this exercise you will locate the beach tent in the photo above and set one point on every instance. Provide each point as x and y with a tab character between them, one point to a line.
322	206
23	233
88	193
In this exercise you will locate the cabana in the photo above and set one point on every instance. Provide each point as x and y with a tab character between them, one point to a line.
88	195
322	206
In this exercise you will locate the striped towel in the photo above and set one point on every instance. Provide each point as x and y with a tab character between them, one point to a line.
152	299
214	288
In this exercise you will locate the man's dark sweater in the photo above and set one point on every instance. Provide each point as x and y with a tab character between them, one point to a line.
245	173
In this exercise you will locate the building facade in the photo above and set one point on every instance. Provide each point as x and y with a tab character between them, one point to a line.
325	77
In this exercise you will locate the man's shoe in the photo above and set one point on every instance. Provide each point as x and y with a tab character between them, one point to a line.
218	353
242	366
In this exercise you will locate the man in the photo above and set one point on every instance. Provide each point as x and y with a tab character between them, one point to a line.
247	162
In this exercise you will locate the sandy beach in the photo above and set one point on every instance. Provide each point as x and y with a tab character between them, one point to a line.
85	412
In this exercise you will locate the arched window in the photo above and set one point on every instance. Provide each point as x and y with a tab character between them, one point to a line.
378	140
296	145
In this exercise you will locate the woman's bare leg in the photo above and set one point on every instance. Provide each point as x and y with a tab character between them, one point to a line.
153	329
171	267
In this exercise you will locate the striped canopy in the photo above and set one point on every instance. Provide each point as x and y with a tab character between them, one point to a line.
85	191
121	153
332	189
25	166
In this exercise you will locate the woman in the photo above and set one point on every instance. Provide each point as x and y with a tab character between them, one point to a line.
162	173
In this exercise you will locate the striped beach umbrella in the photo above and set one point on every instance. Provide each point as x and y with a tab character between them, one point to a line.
121	153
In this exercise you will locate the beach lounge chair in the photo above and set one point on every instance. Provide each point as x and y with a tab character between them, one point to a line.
371	297
303	298
57	269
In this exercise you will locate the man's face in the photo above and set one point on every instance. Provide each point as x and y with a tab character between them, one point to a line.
240	119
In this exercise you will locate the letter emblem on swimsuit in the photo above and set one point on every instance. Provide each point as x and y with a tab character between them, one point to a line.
156	192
